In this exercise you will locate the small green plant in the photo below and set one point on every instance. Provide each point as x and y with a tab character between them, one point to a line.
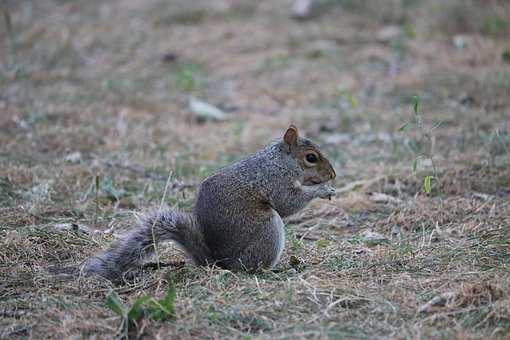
404	248
185	80
399	44
274	63
322	243
348	97
356	240
408	30
419	151
187	77
494	25
295	243
335	262
145	307
506	55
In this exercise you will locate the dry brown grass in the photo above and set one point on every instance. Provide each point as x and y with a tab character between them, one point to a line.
95	92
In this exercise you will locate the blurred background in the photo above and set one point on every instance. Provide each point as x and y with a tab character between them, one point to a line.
101	100
188	86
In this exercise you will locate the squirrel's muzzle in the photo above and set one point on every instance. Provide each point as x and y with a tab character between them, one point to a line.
333	173
330	171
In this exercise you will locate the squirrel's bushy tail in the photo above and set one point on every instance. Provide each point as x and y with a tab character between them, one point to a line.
159	225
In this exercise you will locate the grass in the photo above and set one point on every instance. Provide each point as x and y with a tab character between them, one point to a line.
94	114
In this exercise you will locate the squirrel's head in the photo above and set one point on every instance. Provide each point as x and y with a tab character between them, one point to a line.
315	166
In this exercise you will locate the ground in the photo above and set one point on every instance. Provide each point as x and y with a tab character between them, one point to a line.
409	99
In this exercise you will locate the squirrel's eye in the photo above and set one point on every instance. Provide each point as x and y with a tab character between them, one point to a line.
311	158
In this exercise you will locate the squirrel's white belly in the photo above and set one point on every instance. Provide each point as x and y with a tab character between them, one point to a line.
280	242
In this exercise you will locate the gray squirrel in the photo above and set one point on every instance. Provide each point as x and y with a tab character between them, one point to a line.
236	222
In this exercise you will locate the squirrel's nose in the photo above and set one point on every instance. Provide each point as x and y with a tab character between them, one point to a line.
332	173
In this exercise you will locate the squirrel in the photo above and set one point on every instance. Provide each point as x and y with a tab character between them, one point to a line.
236	223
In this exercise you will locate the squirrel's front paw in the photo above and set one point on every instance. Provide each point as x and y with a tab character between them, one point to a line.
326	191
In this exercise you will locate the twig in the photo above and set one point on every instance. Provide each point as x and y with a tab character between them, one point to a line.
306	237
96	200
157	218
333	304
305	234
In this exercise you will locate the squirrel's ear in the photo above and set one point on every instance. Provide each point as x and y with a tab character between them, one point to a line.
291	135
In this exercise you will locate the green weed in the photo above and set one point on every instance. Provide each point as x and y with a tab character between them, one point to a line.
143	308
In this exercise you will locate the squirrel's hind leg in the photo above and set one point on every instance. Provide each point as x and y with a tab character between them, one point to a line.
266	248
